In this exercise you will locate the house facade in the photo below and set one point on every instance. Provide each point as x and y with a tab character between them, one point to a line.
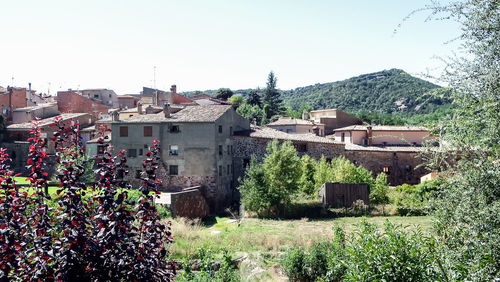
333	119
298	126
196	148
381	135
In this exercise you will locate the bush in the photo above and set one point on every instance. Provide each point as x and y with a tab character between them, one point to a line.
210	269
369	255
84	233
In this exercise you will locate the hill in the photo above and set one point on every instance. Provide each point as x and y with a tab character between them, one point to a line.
387	91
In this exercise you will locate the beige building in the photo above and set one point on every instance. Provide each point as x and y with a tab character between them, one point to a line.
381	135
333	119
298	126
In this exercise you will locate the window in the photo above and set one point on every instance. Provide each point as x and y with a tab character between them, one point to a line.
228	150
132	153
173	170
220	170
220	128
231	130
173	150
96	96
109	95
386	169
342	137
231	149
174	129
228	170
148	131
246	162
288	130
146	146
101	149
123	131
141	152
220	150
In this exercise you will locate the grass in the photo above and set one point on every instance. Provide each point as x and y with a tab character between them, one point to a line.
264	241
271	236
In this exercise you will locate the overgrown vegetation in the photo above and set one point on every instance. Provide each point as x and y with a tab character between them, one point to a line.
268	189
368	254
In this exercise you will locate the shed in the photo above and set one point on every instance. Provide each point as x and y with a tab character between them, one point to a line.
341	195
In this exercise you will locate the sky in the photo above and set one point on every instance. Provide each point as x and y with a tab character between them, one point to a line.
198	45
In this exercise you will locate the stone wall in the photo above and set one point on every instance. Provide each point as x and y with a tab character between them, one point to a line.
402	166
189	204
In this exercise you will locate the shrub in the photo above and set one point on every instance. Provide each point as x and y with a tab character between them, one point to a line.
86	233
210	269
368	255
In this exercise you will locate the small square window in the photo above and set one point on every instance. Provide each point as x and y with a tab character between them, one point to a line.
173	150
173	170
148	131
132	153
220	128
174	129
123	131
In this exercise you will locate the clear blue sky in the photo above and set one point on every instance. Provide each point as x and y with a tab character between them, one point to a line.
203	44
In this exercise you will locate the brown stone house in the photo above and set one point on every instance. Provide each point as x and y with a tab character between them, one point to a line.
333	119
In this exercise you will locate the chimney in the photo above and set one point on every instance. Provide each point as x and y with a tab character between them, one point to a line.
173	89
139	108
115	116
29	86
305	114
369	134
166	110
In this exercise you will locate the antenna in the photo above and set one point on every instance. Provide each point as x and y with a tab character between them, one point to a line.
154	77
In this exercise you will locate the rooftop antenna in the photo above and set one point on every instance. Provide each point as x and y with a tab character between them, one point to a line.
12	82
48	90
154	77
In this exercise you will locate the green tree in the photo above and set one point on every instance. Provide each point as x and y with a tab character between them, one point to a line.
272	97
237	100
223	93
306	182
282	167
254	98
254	189
267	188
252	113
467	212
323	172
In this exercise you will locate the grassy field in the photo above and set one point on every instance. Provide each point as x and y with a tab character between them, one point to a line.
262	242
264	235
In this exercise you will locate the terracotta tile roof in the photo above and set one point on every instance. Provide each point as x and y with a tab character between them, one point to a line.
208	113
355	147
382	128
269	133
46	121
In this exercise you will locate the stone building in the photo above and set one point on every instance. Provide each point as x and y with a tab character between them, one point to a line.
196	148
158	97
12	98
400	163
104	96
381	135
299	126
333	119
14	137
41	111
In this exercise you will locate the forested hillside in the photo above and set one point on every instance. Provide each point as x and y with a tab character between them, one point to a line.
386	91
